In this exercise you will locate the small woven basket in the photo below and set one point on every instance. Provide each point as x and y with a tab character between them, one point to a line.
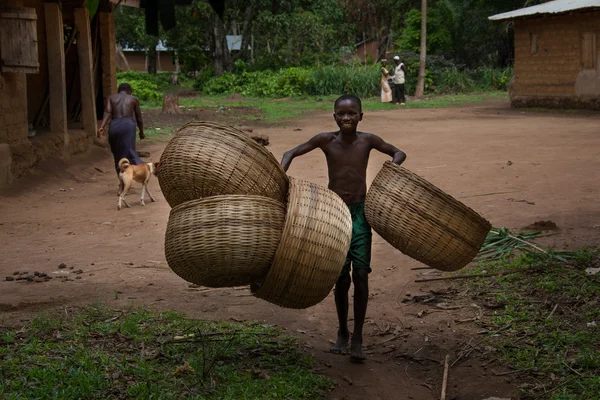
423	222
224	241
208	159
313	248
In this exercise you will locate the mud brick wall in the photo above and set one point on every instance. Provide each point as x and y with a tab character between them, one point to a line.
13	108
553	75
13	121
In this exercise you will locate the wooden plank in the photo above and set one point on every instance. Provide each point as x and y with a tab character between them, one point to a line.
86	71
20	69
57	85
20	15
24	63
18	40
108	47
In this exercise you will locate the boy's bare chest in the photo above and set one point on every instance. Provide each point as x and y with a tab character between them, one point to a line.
347	154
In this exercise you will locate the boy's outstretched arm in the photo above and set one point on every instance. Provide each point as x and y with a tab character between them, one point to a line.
304	148
398	156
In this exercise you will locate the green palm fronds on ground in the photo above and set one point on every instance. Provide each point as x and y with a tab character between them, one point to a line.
501	243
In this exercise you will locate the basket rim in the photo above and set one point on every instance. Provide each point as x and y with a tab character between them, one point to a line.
279	258
230	198
233	131
435	191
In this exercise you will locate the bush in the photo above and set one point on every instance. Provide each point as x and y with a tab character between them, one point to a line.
453	80
162	80
144	90
441	76
289	82
493	79
203	77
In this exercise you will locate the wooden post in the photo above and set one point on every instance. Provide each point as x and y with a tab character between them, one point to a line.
57	85
86	71
109	54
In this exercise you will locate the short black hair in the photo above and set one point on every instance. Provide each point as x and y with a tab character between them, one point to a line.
350	97
125	87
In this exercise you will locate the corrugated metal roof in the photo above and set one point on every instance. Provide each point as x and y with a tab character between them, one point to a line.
551	7
234	42
159	47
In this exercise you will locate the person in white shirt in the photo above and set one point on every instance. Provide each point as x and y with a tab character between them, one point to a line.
399	74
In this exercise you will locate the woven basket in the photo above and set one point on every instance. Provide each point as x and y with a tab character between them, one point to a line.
224	241
207	159
313	248
423	222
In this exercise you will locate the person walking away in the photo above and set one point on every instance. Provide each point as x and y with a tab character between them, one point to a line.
386	91
123	111
347	153
399	75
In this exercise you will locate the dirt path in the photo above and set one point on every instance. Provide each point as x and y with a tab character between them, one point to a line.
496	160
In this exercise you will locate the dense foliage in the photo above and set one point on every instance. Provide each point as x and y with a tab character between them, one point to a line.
298	47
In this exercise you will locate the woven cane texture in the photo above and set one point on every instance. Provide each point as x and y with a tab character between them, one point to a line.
422	221
313	248
224	241
208	159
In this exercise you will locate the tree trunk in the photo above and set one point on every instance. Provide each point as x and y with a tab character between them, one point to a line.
171	104
175	75
219	44
152	58
246	28
384	38
122	57
421	82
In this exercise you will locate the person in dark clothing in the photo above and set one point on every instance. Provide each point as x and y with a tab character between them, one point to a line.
124	109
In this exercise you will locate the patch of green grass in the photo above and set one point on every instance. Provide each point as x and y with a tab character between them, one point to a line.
102	353
549	310
276	110
162	133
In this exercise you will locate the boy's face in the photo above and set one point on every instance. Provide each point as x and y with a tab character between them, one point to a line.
347	116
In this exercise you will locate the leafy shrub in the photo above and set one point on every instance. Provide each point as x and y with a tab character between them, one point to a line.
203	77
162	79
493	79
290	82
144	90
453	80
441	76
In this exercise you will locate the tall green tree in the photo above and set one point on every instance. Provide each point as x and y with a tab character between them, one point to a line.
130	31
423	51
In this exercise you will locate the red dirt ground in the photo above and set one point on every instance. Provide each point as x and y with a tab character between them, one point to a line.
488	156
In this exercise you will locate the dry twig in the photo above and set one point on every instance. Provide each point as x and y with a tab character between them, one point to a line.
445	379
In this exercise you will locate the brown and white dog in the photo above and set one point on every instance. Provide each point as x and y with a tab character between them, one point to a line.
139	173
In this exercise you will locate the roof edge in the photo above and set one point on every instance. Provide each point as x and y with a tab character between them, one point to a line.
549	8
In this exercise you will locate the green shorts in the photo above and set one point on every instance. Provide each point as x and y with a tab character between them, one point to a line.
359	255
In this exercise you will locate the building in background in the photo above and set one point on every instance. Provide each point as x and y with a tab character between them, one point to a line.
557	53
57	65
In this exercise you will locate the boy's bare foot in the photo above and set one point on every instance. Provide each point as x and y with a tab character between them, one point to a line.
356	353
341	345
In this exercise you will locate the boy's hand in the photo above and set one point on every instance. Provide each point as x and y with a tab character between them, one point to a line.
142	136
100	133
286	161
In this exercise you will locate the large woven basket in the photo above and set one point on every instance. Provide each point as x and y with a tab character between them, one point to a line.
208	159
422	221
224	241
313	248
